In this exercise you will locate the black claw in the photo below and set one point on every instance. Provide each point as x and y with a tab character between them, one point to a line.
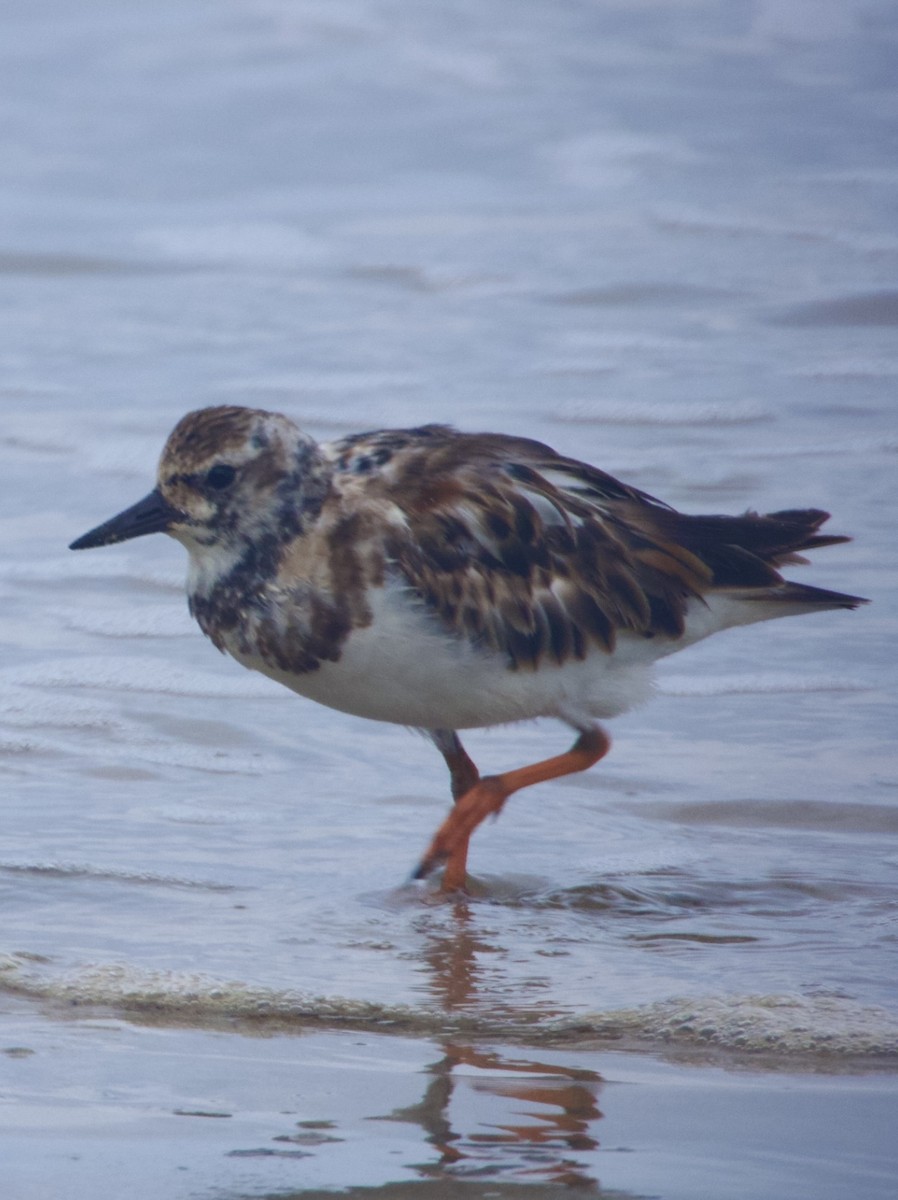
428	865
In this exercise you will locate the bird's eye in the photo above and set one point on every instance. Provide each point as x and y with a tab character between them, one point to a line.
220	476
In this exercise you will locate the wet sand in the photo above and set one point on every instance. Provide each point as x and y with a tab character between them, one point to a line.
99	1107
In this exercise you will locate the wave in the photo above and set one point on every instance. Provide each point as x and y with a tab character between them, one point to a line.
814	1029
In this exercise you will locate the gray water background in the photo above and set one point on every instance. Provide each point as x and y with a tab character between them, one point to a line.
661	237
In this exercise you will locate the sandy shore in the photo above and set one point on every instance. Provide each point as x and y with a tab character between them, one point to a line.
97	1106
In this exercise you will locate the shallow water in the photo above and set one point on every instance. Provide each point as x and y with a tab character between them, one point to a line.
186	1113
659	237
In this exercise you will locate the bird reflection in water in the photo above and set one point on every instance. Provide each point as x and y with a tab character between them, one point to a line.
489	1113
550	1110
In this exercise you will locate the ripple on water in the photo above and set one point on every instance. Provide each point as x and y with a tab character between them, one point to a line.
139	674
673	894
116	621
666	413
72	572
64	870
825	816
869	308
757	683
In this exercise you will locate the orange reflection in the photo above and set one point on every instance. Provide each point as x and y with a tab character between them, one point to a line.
487	1113
556	1106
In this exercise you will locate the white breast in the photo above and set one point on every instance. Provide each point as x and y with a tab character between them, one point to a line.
407	669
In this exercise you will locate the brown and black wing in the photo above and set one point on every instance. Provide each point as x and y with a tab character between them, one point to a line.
523	552
544	558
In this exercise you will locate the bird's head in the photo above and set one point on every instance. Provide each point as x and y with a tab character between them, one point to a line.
228	478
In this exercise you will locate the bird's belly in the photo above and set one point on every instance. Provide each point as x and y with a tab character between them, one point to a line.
405	668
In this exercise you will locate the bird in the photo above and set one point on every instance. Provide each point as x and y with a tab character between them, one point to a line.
447	581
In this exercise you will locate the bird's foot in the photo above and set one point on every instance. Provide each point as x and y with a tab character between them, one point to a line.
449	847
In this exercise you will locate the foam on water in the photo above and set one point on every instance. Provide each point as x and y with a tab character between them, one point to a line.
782	1025
804	1028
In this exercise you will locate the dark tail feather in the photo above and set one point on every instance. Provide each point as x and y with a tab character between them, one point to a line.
744	552
806	522
800	597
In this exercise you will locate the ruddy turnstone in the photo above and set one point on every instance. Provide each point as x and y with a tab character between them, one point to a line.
448	581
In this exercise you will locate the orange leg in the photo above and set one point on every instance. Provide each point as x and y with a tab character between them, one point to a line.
487	796
464	776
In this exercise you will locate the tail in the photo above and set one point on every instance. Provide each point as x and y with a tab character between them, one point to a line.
743	554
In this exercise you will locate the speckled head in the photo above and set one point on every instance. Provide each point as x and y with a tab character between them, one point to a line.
207	432
227	476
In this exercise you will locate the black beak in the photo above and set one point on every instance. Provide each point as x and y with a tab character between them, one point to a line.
152	514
